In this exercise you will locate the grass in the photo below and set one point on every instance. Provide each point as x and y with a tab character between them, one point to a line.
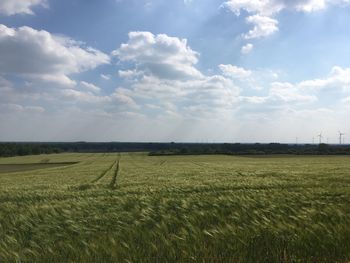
137	208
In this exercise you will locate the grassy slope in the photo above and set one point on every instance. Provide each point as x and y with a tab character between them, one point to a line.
176	208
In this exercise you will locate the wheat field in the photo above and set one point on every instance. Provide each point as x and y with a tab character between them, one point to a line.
131	207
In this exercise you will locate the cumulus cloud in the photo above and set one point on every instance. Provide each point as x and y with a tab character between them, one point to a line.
271	7
38	53
159	55
81	96
261	12
29	51
163	69
89	86
10	108
234	71
121	96
159	78
337	79
12	7
201	95
281	96
44	65
246	49
130	74
105	77
262	26
252	6
58	80
312	5
286	92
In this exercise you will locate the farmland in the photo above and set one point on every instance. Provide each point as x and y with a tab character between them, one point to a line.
131	207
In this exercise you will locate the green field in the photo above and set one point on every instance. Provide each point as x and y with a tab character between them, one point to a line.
137	208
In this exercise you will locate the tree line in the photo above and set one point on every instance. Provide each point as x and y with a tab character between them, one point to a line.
32	148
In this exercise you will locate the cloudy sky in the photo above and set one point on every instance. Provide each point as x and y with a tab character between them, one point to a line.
175	70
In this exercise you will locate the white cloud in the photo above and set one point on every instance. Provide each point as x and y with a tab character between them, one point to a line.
159	55
246	49
38	53
311	5
81	96
283	95
189	96
130	74
12	7
271	7
152	106
263	7
337	79
299	97
234	71
121	97
105	77
43	64
211	94
202	96
261	12
91	87
58	80
287	92
164	70
36	109
262	26
11	107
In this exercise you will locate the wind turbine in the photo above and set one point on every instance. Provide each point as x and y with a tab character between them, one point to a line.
320	137
340	136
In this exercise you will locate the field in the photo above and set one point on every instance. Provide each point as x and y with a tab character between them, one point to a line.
131	207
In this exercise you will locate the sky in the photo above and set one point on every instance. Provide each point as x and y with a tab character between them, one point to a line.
177	70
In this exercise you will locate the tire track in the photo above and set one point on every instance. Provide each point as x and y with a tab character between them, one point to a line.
113	183
98	178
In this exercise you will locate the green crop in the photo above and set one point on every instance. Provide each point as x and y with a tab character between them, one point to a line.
132	207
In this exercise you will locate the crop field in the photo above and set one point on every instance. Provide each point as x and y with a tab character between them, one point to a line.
131	207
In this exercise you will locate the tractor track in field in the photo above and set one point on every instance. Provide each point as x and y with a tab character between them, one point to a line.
98	178
113	183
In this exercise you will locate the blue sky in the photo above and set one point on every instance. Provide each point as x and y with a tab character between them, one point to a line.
155	70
